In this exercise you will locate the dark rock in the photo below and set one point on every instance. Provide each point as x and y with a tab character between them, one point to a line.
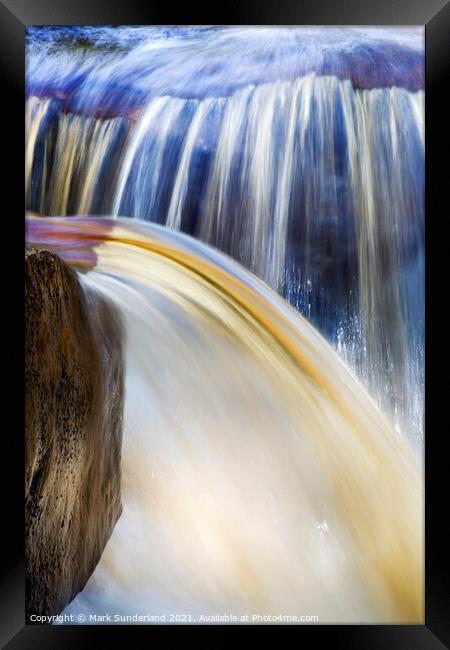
73	434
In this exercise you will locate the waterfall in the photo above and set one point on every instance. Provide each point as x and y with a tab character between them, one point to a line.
253	204
258	476
67	160
299	152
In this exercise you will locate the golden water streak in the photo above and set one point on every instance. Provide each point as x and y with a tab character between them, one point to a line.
377	491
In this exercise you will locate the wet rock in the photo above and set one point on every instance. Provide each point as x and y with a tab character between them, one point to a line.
73	433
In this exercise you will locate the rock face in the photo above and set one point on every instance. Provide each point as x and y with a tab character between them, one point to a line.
74	406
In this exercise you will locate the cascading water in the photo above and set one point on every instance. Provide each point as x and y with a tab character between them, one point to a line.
258	474
259	478
299	152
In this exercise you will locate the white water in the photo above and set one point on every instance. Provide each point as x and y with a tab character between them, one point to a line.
258	475
315	187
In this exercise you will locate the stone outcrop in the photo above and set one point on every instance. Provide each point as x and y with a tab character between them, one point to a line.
74	406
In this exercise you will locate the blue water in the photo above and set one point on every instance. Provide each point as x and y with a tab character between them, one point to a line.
297	151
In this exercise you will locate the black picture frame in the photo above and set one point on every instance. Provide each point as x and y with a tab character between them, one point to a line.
14	16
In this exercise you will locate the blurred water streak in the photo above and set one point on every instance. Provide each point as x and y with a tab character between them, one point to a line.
299	152
258	476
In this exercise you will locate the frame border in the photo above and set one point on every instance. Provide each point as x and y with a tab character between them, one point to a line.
14	16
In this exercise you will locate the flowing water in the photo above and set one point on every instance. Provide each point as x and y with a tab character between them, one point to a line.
299	152
259	477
